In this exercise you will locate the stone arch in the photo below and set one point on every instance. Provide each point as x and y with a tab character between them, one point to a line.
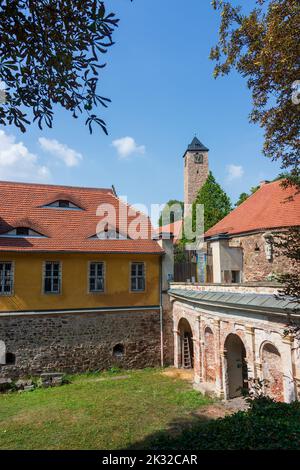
272	371
236	365
209	355
186	342
2	352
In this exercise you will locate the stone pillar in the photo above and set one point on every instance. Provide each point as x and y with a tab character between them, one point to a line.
202	349
250	339
177	352
224	374
198	378
218	360
287	366
259	371
197	368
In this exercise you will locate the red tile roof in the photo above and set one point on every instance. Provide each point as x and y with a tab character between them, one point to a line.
66	230
270	207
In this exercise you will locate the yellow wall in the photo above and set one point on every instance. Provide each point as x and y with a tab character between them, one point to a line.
28	288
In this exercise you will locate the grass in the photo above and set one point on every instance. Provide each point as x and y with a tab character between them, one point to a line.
96	412
266	425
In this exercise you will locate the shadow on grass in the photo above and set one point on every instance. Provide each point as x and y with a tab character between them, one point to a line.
267	425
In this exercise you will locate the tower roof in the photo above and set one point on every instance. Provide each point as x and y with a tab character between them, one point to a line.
196	145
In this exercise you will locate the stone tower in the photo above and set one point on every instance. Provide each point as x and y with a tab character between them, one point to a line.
195	169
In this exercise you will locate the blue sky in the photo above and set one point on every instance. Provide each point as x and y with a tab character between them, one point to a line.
161	83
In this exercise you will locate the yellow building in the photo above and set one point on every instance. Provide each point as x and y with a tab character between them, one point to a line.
79	271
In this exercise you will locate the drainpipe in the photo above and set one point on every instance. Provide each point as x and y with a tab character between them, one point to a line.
161	315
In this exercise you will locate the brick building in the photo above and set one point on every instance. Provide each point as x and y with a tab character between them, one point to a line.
234	335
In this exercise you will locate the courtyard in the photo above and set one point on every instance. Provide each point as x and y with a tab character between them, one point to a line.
111	410
150	409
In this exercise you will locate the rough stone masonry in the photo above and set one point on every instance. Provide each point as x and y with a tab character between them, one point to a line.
79	342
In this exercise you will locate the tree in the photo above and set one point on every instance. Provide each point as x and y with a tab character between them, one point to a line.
169	214
243	196
49	55
288	244
261	46
216	202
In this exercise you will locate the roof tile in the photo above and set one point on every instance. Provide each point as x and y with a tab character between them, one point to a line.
66	230
272	206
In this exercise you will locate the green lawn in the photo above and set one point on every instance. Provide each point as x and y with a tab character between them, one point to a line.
96	411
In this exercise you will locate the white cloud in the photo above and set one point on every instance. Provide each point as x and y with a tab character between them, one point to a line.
234	172
17	162
69	156
127	146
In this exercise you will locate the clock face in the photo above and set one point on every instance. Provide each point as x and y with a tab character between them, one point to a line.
198	158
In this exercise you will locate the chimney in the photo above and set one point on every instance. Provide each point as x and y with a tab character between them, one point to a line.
166	243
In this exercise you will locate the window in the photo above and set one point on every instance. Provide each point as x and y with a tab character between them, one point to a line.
52	277
96	277
235	277
21	232
118	350
6	278
111	234
10	358
63	204
137	277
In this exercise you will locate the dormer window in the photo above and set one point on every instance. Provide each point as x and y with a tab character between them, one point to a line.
110	234
63	204
20	232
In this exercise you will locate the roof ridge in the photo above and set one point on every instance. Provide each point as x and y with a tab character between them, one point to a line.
46	185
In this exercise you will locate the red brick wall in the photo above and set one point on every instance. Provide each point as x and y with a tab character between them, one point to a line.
272	372
209	356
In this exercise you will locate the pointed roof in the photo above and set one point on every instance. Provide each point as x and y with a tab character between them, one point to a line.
195	146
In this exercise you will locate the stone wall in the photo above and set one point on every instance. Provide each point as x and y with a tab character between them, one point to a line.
195	175
80	342
256	266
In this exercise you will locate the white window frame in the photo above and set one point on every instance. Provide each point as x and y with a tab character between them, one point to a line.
96	291
12	279
52	277
137	276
